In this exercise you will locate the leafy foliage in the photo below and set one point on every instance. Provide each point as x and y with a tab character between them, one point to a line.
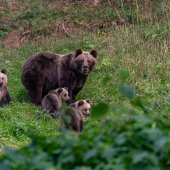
139	143
135	37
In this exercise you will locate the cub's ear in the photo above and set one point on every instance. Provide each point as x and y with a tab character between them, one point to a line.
80	103
88	101
78	52
3	71
94	53
59	90
66	88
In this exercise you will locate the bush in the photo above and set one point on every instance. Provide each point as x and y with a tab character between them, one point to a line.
126	147
137	144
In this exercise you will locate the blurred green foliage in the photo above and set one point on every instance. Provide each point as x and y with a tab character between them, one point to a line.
137	144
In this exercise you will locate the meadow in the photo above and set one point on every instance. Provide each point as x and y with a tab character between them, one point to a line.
139	48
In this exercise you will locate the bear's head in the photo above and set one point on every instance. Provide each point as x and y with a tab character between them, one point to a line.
85	62
83	107
3	78
63	93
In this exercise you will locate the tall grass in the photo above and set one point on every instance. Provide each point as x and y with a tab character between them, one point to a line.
143	49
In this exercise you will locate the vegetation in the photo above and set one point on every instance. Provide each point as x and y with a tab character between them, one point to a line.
134	36
135	144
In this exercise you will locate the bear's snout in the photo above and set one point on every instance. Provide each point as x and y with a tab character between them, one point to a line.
87	114
85	69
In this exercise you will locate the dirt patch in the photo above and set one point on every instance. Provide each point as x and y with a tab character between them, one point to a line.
15	38
12	39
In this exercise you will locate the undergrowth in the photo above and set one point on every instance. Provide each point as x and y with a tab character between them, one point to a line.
139	43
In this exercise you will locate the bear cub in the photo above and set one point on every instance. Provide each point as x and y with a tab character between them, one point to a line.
4	94
72	116
52	102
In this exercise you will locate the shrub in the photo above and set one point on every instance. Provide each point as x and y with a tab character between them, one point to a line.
137	144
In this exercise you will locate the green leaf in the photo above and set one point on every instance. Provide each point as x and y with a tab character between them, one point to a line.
139	157
137	102
108	153
142	118
91	46
118	167
124	74
89	154
106	62
105	80
113	109
99	110
127	90
160	143
120	139
81	23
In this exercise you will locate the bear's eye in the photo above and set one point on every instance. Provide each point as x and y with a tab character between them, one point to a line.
65	95
88	61
2	78
85	110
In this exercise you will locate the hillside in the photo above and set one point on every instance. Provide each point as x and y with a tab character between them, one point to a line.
129	35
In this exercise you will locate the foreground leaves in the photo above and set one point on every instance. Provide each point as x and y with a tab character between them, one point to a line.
128	146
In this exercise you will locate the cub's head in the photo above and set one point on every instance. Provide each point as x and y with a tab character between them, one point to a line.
85	62
63	93
3	78
83	106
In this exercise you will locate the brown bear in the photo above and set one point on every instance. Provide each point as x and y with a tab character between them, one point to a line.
72	116
45	71
4	94
52	102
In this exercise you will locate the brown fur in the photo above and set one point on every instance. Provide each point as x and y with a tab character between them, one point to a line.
4	94
45	71
53	100
75	113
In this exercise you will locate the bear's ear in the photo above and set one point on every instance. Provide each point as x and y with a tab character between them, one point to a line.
78	52
94	53
88	101
59	90
66	88
3	71
80	103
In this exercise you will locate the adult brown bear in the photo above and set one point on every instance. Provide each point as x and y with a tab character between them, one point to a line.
45	71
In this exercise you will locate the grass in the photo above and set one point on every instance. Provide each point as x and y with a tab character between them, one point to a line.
141	48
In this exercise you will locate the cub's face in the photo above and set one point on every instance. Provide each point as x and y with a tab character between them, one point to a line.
3	78
85	62
84	107
63	93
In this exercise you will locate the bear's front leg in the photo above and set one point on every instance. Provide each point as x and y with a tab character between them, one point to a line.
76	126
79	85
70	94
8	98
70	84
81	125
35	95
1	105
75	91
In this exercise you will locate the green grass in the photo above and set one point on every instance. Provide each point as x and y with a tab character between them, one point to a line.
142	49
